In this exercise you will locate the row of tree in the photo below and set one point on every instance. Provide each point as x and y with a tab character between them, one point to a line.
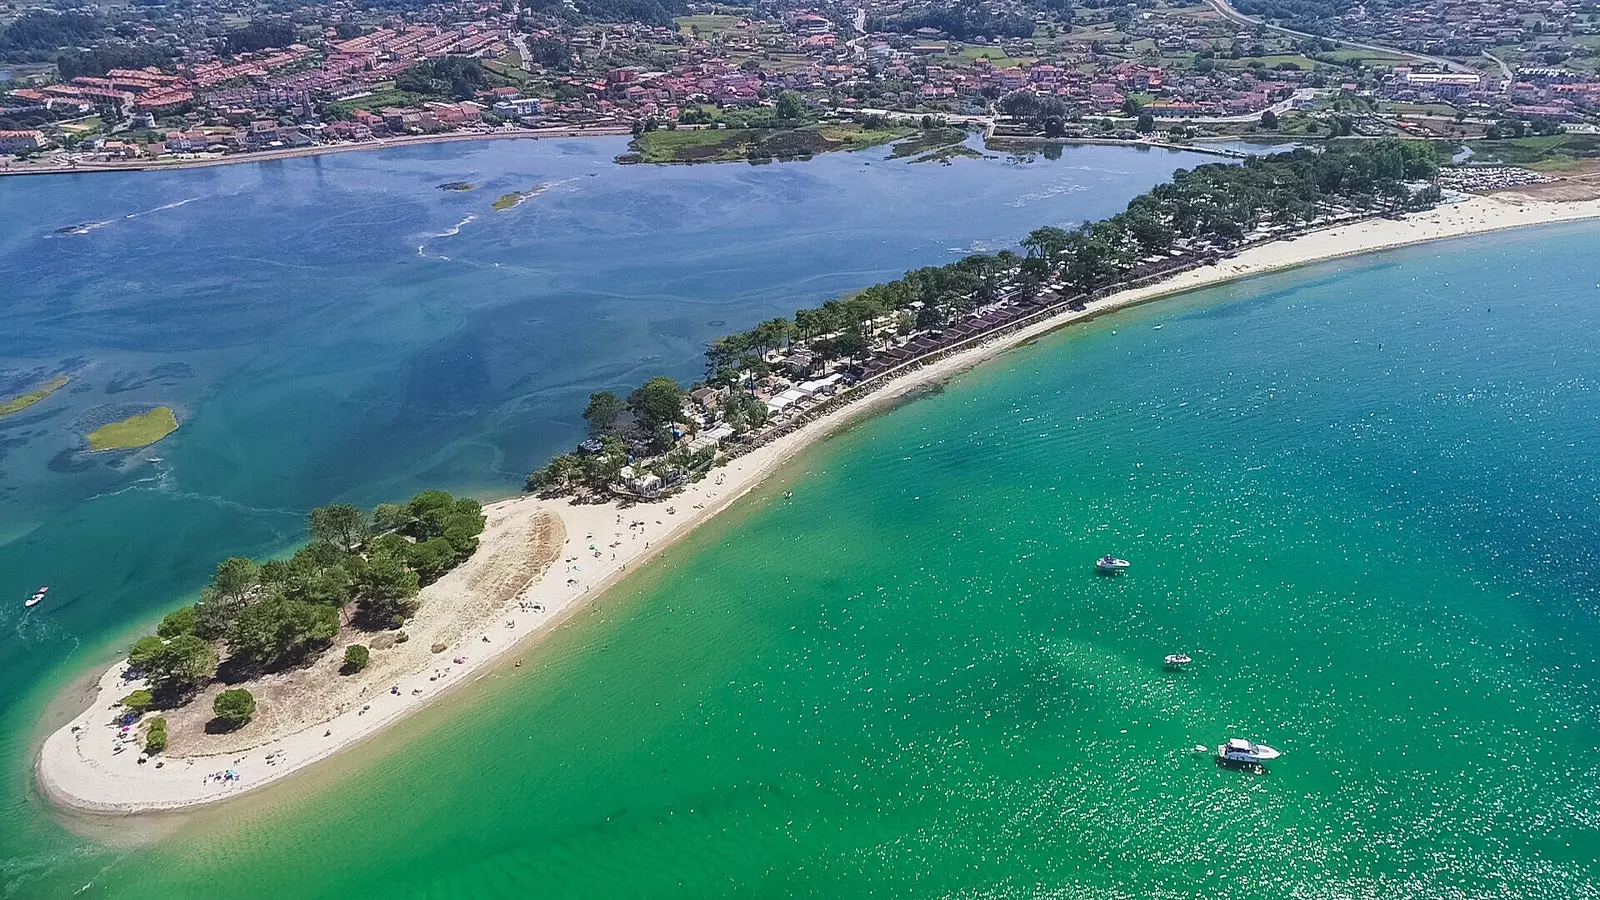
1211	206
1215	204
358	568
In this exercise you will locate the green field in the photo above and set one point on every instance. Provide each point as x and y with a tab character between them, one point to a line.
1552	153
757	144
134	432
707	26
23	401
997	57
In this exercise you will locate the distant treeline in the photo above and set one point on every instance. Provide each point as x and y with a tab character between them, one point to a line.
963	21
653	12
1310	16
259	35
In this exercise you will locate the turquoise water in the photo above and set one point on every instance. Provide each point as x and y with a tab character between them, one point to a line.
1362	494
338	328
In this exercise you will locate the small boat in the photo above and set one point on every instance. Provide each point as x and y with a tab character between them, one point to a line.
1240	752
1109	563
1177	660
37	598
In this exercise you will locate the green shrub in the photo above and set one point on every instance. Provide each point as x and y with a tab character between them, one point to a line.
138	702
401	638
356	658
234	708
155	736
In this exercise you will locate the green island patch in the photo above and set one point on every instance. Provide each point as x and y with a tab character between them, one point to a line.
513	200
23	401
945	154
756	144
134	432
926	140
456	186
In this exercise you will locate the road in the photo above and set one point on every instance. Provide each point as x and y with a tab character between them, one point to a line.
521	42
1505	72
1227	11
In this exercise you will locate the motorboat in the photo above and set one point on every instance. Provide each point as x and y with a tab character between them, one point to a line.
1109	563
1178	659
37	598
1240	752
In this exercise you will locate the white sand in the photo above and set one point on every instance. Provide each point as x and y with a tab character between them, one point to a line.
77	767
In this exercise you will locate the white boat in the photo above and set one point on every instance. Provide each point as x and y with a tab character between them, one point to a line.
37	598
1109	563
1240	752
1178	659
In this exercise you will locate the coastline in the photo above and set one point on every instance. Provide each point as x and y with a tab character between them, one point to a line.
314	150
95	781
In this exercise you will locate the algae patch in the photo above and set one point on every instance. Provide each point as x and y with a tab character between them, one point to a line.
23	401
511	201
134	432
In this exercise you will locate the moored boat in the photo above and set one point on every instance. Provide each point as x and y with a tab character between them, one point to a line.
1177	660
1109	563
1240	752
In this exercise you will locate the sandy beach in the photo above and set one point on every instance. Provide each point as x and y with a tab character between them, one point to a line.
518	587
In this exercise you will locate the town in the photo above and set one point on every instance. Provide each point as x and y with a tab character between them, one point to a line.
149	85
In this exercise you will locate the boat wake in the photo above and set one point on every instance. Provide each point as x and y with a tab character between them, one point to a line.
164	206
454	230
1046	193
86	227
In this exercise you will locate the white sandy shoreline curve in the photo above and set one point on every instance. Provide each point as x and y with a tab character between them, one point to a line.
76	768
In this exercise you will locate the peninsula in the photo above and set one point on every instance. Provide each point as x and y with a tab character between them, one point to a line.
540	558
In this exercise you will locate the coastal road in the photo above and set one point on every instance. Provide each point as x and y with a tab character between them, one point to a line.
1227	11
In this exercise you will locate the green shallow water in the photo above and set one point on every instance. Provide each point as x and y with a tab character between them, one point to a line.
1363	495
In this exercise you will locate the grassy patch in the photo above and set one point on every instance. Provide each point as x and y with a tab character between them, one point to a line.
931	139
945	154
707	26
134	432
380	98
725	145
1552	153
23	401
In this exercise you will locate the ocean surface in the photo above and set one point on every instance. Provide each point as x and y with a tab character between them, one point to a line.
1361	494
341	328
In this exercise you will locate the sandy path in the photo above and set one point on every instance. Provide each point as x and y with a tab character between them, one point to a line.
77	767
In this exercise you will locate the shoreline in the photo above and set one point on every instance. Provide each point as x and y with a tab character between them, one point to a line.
98	783
411	140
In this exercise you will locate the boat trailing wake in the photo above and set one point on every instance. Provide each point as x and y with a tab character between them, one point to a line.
456	229
165	206
86	227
